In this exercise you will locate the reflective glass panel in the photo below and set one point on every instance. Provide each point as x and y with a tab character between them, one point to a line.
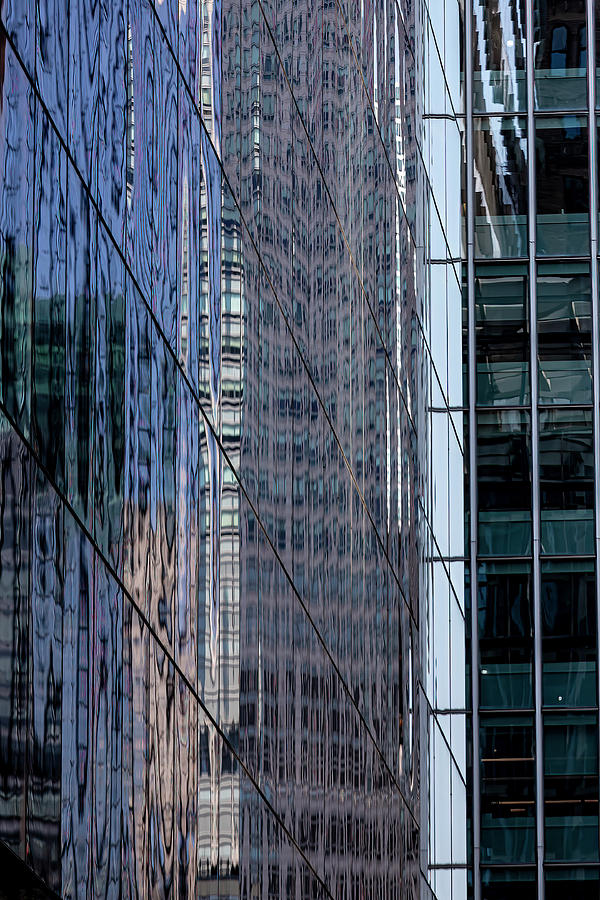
499	56
504	482
566	481
560	42
505	634
571	787
563	883
564	329
569	633
518	884
562	179
502	335
500	156
507	790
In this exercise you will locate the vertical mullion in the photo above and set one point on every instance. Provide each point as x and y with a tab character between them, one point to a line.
593	182
535	482
470	174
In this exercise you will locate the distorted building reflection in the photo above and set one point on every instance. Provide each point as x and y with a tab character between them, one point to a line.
231	510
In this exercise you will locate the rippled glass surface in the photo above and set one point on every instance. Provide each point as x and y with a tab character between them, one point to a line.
219	541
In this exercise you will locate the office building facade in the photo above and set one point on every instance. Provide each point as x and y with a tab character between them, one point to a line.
231	525
531	342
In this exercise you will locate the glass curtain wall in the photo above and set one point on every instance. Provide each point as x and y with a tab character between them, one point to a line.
531	342
231	511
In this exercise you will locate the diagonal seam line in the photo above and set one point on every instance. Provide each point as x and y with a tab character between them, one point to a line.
341	229
167	652
419	149
285	317
207	421
293	338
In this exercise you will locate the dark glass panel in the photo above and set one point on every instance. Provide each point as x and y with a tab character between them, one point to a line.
569	633
17	160
500	158
563	883
80	375
50	262
564	328
571	787
504	482
109	427
560	42
44	762
15	606
566	481
507	790
499	56
562	178
518	884
505	634
502	335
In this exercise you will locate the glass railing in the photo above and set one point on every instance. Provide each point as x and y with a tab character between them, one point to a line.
499	237
567	531
505	533
563	234
570	683
504	686
560	88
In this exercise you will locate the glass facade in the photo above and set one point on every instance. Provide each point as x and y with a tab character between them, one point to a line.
232	571
531	316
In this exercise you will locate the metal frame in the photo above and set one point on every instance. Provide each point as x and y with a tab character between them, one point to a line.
534	387
536	504
472	361
593	164
535	467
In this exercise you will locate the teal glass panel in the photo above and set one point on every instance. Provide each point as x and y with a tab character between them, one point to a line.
502	335
516	884
564	328
568	633
567	481
580	883
560	42
499	57
571	787
505	635
562	181
507	790
504	482
500	158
